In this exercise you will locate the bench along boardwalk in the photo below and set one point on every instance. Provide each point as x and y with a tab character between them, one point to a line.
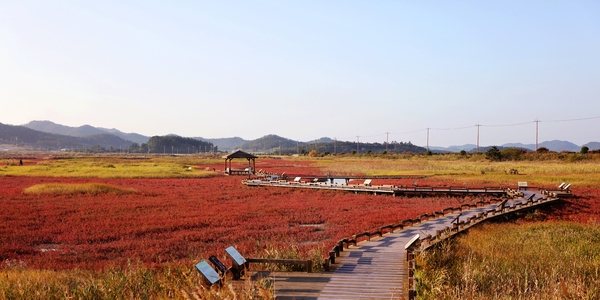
374	265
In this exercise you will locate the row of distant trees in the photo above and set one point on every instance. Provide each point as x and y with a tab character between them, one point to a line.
169	144
273	144
178	145
352	147
335	147
495	154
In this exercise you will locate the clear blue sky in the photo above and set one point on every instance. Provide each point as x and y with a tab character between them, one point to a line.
306	69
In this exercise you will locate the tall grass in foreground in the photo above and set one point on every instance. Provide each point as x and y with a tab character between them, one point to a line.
76	188
132	282
509	261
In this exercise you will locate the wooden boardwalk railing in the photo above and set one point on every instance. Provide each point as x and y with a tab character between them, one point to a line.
373	265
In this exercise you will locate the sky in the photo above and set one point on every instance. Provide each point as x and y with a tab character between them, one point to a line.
349	70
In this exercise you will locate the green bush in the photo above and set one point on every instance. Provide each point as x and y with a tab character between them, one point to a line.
493	154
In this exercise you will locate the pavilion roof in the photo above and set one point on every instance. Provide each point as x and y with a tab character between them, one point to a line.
240	154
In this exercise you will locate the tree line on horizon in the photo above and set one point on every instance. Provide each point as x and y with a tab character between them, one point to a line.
169	144
273	144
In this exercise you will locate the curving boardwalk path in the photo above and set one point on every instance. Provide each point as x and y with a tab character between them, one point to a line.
374	269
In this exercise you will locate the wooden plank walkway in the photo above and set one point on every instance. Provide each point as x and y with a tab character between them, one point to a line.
379	189
377	269
374	270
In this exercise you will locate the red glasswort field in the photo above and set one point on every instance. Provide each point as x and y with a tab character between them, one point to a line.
188	219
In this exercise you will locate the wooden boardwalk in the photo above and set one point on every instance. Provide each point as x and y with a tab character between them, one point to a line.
374	270
377	269
380	189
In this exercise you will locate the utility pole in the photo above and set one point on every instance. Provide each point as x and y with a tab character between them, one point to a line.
537	123
357	143
387	135
427	138
478	137
335	145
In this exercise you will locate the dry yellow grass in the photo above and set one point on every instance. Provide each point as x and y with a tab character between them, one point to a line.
76	188
510	261
114	167
132	282
472	170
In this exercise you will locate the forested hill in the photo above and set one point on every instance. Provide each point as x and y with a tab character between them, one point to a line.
23	137
174	144
279	145
353	147
269	144
83	131
225	144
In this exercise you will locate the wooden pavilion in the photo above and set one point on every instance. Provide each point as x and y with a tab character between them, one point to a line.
240	154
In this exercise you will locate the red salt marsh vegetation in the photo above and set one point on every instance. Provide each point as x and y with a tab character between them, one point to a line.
169	220
164	225
185	219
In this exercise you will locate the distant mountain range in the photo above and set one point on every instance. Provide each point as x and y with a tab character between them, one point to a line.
52	136
21	136
466	147
226	144
83	131
554	145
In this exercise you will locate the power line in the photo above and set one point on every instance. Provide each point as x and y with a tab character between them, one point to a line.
571	120
408	132
537	121
373	135
456	128
505	125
